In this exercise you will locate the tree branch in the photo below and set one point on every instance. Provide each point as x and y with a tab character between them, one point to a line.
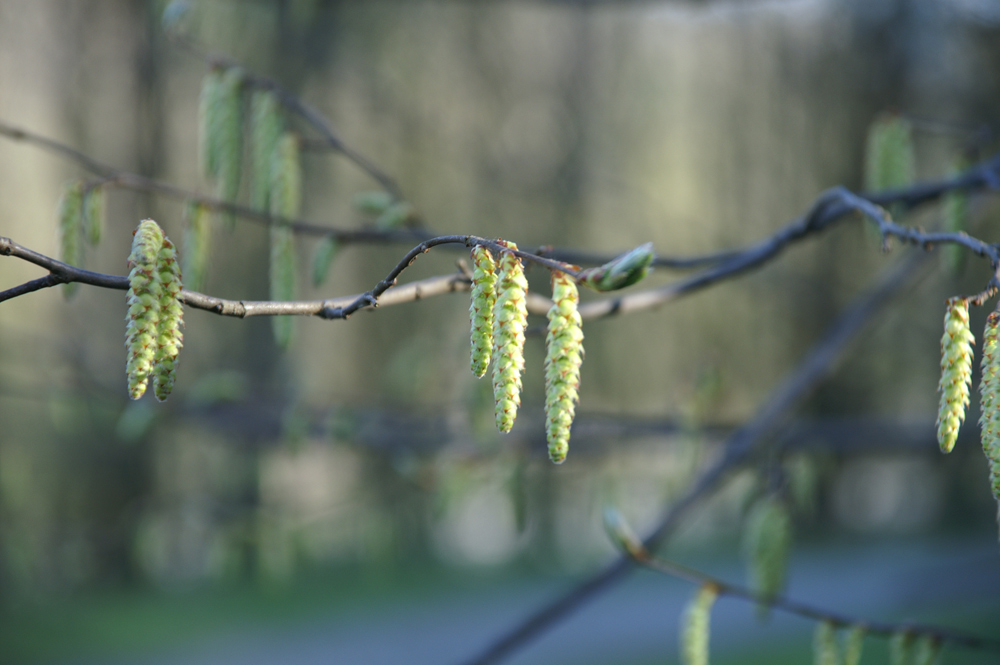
634	550
737	448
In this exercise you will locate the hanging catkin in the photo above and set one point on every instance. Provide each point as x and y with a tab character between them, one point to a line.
695	626
825	644
171	316
889	159
989	402
510	316
71	229
564	354
767	538
481	309
854	642
143	300
266	128
197	244
956	372
285	198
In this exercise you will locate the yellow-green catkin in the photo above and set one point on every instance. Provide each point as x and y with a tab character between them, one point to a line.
695	626
956	372
208	122
197	244
169	338
510	317
767	538
825	644
143	301
93	213
229	130
266	127
901	648
927	650
285	200
889	157
71	229
854	642
989	402
484	298
564	355
326	249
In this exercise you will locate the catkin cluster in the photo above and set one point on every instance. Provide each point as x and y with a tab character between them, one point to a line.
155	315
81	216
275	175
989	392
510	317
564	344
956	372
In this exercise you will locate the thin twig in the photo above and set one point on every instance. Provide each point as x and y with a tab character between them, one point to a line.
642	556
738	447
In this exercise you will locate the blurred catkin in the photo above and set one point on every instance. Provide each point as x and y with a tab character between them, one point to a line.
695	626
889	156
71	229
767	537
197	244
956	372
266	128
285	199
564	355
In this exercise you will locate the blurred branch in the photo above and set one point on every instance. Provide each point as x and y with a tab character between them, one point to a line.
637	553
739	447
110	175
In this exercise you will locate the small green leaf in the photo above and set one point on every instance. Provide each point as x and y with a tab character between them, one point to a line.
373	202
394	216
623	271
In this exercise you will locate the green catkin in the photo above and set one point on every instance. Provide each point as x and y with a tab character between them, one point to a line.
510	317
956	372
208	123
900	648
484	298
229	130
889	156
266	129
989	402
285	200
143	301
564	355
197	244
169	338
854	642
767	537
71	229
928	648
695	626
326	249
93	214
825	644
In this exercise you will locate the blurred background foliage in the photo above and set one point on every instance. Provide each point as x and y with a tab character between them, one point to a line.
367	450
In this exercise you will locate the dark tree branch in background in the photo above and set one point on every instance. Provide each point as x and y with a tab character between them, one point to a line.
738	448
635	551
